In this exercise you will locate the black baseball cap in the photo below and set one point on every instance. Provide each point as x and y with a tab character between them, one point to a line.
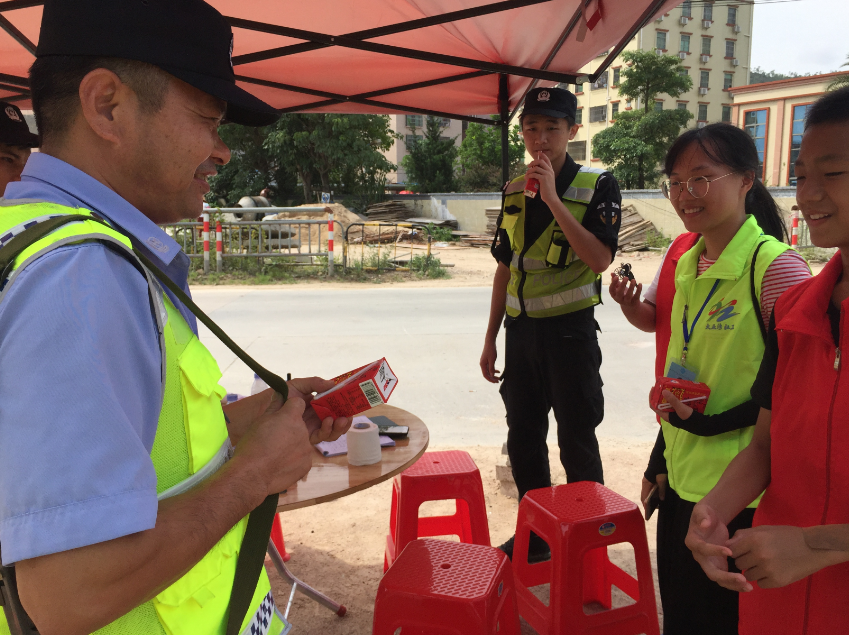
187	38
551	102
14	130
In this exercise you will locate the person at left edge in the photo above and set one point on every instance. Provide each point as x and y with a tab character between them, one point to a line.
550	250
121	506
16	142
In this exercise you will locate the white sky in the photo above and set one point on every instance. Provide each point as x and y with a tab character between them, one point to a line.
802	36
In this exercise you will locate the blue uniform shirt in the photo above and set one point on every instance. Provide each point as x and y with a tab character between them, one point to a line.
80	378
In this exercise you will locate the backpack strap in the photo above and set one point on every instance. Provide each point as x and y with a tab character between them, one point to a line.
257	533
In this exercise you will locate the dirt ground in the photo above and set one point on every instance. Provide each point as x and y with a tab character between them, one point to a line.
337	547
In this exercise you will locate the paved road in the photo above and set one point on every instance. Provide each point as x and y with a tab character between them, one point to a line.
431	337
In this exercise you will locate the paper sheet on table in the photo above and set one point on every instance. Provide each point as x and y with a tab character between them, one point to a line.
340	445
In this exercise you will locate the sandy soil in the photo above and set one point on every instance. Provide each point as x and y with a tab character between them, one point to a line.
338	547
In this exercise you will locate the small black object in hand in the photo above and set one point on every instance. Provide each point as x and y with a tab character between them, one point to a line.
624	271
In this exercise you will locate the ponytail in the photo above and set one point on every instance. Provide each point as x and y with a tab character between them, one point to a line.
731	146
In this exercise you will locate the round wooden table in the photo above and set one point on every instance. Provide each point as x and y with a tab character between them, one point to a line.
332	477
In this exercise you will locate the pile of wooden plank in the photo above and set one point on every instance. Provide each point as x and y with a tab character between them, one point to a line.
492	218
436	222
388	212
474	240
632	233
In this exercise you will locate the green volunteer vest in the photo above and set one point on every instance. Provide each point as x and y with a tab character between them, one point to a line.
546	278
726	348
191	443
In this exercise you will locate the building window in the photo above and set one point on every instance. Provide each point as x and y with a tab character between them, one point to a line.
796	131
446	122
658	106
661	40
577	150
685	43
683	72
600	83
706	45
755	124
726	114
414	121
579	88
579	116
615	76
727	80
682	105
598	113
707	12
729	48
687	9
410	139
614	110
704	79
702	112
732	15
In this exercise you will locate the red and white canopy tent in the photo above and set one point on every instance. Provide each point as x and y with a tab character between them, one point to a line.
461	59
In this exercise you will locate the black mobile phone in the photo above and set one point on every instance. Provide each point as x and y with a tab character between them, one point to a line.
386	426
651	502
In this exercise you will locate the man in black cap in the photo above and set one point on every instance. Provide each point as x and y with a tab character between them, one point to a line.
123	501
16	142
557	232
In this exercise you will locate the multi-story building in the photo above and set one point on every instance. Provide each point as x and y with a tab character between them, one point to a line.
410	127
714	42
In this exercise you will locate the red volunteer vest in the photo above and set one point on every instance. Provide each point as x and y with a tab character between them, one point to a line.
810	459
665	297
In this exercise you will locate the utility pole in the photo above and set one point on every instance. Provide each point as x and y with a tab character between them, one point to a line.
504	108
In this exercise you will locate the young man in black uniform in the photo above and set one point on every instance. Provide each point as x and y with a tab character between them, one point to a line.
551	249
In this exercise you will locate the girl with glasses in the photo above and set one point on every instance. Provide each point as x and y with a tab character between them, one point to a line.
709	305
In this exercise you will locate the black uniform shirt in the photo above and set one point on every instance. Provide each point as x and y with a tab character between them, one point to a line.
602	219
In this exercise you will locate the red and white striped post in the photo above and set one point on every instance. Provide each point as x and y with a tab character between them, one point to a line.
794	232
330	243
205	242
219	247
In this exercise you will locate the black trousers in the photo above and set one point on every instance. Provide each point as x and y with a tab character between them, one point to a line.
692	603
548	364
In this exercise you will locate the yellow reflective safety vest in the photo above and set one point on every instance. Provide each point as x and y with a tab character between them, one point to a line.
726	348
191	443
546	278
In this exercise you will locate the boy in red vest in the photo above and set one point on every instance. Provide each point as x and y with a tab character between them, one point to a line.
795	558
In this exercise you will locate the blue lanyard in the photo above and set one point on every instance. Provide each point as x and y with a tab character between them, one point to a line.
689	334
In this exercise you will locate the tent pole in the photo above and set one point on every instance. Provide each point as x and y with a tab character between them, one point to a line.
504	106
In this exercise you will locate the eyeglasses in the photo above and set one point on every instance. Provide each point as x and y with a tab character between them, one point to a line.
697	186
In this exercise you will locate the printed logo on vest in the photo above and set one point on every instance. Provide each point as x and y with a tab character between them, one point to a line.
719	314
157	245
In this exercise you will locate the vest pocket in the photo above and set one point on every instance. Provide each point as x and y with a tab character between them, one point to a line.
559	252
206	429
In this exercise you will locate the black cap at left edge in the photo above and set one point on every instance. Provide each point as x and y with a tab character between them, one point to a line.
187	38
14	130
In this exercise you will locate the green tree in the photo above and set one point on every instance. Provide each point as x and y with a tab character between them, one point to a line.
430	162
479	157
635	145
759	76
842	81
647	74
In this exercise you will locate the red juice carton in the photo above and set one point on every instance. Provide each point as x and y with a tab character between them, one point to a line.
695	394
532	188
356	391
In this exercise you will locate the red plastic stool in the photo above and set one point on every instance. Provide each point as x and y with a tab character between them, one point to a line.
438	587
579	521
436	476
277	538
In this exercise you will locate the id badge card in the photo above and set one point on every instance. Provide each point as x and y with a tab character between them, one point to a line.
682	371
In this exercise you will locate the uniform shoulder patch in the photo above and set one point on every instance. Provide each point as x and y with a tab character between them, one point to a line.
515	186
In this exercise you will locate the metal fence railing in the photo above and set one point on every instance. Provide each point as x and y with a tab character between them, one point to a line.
301	241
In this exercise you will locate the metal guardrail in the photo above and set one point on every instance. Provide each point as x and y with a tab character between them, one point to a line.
395	263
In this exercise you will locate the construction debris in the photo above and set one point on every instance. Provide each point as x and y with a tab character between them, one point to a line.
474	240
632	233
492	219
387	212
436	222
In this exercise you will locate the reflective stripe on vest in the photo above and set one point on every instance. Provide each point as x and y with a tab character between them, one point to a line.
726	349
546	278
191	443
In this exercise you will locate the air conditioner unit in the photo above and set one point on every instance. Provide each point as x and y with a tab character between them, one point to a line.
706	24
735	62
704	58
703	90
701	124
660	17
682	55
659	51
737	28
683	20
